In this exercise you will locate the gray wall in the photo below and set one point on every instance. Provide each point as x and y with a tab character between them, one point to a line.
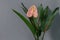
13	28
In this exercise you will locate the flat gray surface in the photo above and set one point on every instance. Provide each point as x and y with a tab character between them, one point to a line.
13	28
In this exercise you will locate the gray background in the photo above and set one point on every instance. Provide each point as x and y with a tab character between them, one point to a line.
13	28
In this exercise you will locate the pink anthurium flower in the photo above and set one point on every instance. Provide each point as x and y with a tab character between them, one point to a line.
32	11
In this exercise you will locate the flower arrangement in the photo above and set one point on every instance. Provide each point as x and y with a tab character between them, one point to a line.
40	19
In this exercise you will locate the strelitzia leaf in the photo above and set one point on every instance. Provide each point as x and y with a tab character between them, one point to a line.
30	26
50	18
24	8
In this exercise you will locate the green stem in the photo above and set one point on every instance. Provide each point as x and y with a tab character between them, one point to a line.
37	37
43	36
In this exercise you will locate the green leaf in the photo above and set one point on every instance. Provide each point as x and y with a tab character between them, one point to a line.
33	22
36	21
41	13
24	8
46	12
55	10
30	26
40	19
50	18
40	10
41	16
39	32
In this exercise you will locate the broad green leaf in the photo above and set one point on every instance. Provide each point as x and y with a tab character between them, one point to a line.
24	8
30	26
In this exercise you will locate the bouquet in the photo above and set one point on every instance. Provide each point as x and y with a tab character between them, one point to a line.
40	19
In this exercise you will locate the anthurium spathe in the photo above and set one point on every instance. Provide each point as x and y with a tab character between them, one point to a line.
32	11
